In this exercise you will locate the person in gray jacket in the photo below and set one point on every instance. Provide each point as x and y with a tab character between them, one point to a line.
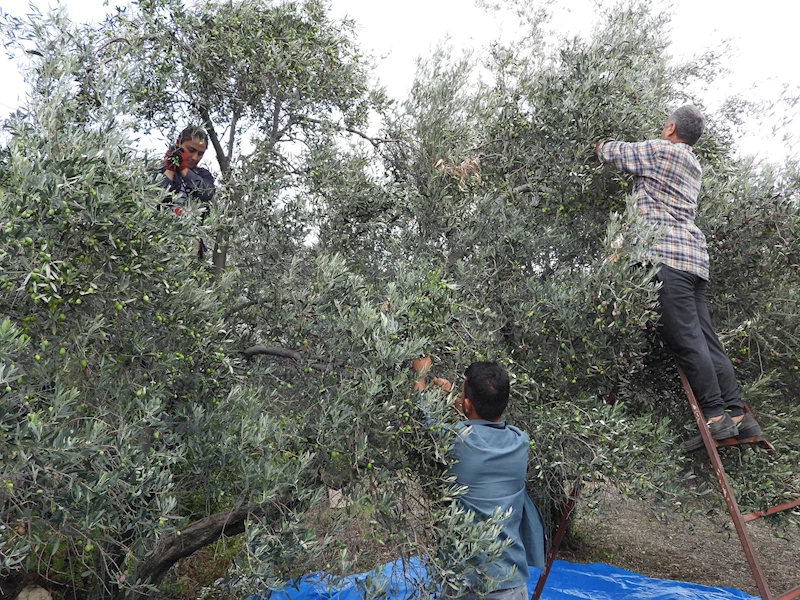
490	459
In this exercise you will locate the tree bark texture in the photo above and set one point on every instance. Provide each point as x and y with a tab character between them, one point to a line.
170	549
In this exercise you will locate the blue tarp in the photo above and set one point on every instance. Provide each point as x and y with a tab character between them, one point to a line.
567	581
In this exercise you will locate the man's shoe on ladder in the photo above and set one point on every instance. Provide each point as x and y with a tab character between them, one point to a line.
746	431
721	429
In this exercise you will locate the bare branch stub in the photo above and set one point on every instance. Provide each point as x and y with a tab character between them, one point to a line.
281	352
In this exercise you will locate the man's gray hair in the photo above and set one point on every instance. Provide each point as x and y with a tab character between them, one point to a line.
689	123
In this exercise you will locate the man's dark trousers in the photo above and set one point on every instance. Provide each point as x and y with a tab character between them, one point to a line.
685	326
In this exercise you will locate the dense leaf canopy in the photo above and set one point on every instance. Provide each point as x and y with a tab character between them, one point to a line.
152	404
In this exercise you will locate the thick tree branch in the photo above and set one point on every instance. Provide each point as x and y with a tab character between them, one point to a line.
170	549
375	141
232	136
278	136
117	40
222	159
276	116
527	187
287	353
282	352
241	307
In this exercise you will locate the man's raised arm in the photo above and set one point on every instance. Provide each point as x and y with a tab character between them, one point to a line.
637	158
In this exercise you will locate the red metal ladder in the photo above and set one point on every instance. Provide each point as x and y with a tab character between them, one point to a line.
739	520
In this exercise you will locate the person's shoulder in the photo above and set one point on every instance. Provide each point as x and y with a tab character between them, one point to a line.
640	143
517	431
654	145
664	150
461	429
655	142
203	172
680	154
674	148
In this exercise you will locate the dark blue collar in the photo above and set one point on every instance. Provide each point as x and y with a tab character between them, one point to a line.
497	424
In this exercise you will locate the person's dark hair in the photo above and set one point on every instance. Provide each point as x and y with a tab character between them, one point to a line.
193	133
486	385
689	123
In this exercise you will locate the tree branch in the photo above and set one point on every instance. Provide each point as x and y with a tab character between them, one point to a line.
282	352
276	115
521	189
241	307
117	40
375	141
232	136
527	187
170	549
294	355
278	136
224	161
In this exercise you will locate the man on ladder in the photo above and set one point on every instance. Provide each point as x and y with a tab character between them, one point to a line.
667	179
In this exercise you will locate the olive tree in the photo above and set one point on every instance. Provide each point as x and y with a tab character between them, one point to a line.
502	197
268	80
150	409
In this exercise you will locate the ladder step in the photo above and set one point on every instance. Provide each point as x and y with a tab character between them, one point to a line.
790	595
756	440
739	520
771	510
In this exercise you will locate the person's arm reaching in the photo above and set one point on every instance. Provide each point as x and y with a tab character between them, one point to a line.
170	182
447	387
636	158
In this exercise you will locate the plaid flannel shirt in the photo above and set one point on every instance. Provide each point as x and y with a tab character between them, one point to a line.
666	182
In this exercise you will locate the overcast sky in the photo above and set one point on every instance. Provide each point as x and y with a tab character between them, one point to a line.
396	33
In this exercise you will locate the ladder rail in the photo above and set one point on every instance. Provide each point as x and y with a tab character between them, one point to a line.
790	595
771	510
727	491
739	520
557	539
